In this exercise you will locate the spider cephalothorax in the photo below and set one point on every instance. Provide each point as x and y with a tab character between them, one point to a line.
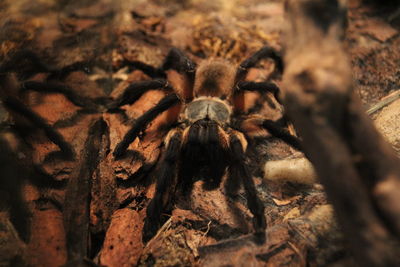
210	134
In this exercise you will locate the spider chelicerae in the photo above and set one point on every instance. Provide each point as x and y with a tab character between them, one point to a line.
210	135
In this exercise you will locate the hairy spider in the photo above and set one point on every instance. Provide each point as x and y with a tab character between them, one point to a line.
210	135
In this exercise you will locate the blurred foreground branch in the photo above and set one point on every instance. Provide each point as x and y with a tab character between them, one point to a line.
359	170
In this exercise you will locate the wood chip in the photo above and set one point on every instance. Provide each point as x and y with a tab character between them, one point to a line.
285	202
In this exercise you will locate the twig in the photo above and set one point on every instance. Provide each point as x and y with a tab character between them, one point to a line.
384	102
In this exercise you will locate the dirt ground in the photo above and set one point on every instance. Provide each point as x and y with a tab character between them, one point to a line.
208	230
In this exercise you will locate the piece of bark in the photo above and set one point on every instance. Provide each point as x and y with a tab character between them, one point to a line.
47	245
123	242
77	198
216	206
103	200
177	241
357	168
288	243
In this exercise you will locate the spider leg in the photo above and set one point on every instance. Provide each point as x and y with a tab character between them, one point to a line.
141	123
265	52
262	87
37	66
165	183
239	171
145	68
178	61
189	152
16	106
175	60
280	132
53	87
13	172
135	90
253	126
60	74
72	120
23	56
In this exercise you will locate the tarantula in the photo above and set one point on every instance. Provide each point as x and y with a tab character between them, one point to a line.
208	138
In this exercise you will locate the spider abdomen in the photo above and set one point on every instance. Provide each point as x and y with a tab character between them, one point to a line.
211	108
